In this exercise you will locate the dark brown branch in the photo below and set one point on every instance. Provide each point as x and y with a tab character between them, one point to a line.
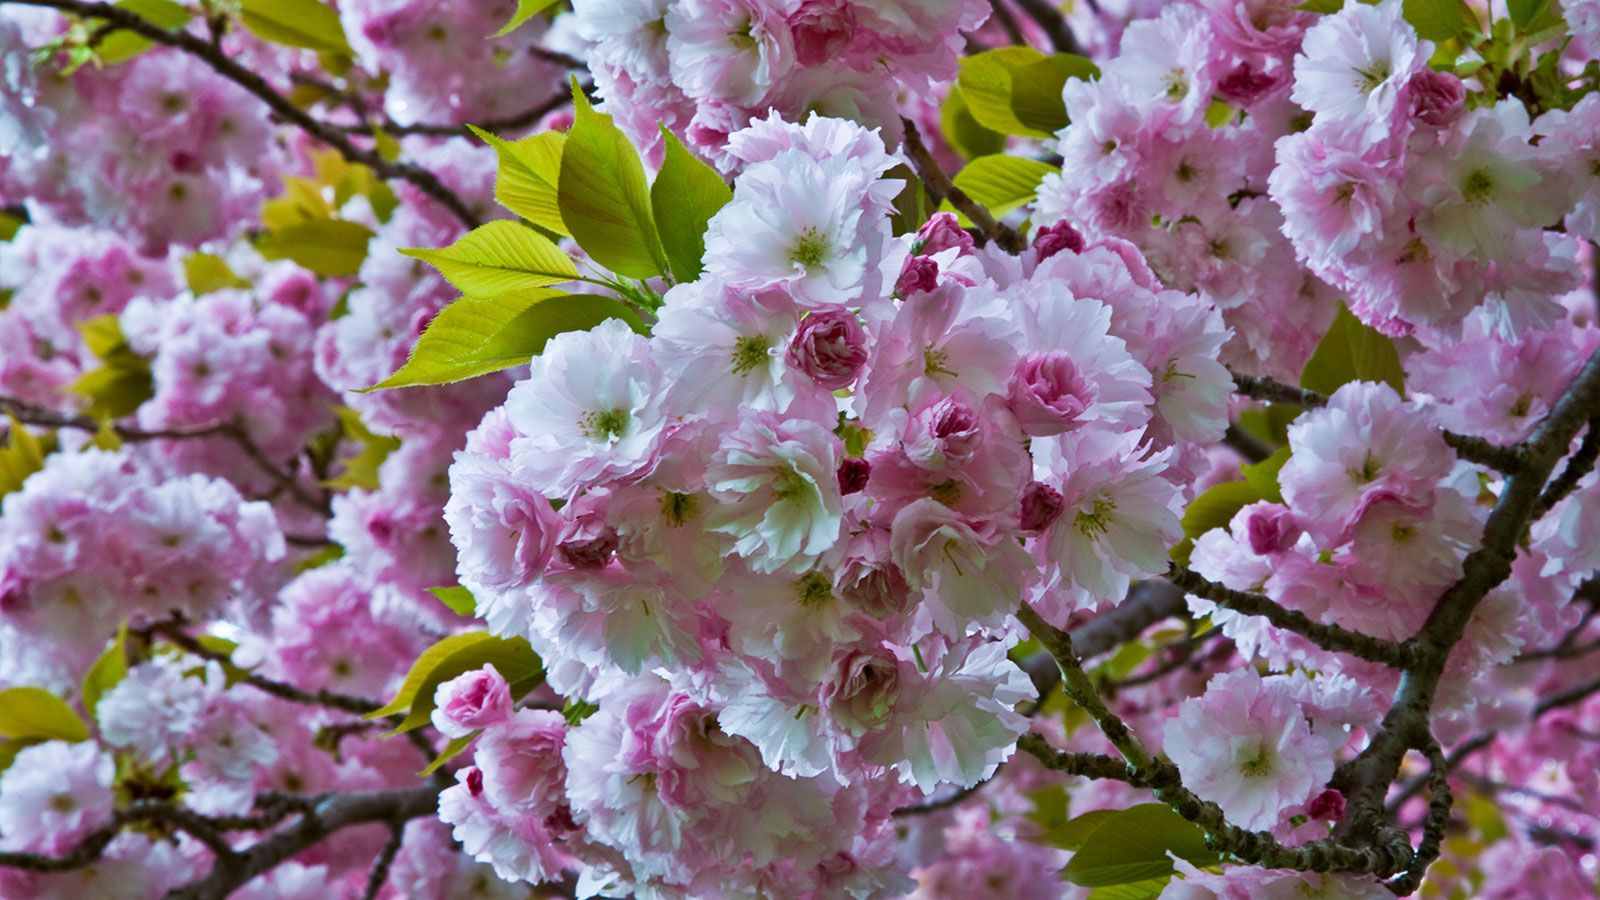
332	814
44	418
1406	725
173	632
1470	448
380	868
1054	24
1147	603
1246	444
1578	465
1328	637
1087	765
942	188
512	123
222	64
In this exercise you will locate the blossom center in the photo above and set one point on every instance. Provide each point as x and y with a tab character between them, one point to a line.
813	589
750	352
811	250
1095	521
1477	187
678	508
605	424
1257	766
1374	75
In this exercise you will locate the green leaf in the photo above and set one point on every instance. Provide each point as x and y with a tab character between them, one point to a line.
108	669
121	46
308	24
474	337
455	655
330	247
1131	845
1017	90
1213	509
526	9
1322	6
687	193
1439	20
459	599
361	470
30	713
1071	834
1352	351
450	751
913	205
9	751
22	455
1263	476
525	182
962	132
1133	890
499	258
1524	12
604	198
206	272
122	381
1002	183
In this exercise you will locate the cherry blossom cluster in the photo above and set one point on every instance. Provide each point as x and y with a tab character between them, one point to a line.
865	561
705	68
801	513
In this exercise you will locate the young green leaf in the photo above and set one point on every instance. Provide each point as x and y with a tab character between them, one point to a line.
450	751
499	258
1133	844
455	655
206	272
1263	476
22	455
1352	351
605	201
361	470
1438	20
459	599
122	381
474	337
330	247
963	132
30	713
121	46
1002	183
525	183
687	193
108	669
1213	509
1017	90
308	24
526	9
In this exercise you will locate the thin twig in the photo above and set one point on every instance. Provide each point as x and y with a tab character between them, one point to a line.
222	64
942	188
1328	637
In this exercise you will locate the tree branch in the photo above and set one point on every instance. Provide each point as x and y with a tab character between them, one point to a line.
233	431
332	814
1054	24
942	188
1328	637
1406	725
1469	447
333	136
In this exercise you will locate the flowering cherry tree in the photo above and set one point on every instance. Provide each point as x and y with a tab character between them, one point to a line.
799	448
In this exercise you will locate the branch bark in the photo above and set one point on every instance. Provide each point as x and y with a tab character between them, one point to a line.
942	188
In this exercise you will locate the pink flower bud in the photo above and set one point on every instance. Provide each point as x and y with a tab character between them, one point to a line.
853	474
941	232
1434	98
1245	84
1041	507
1328	806
475	781
1053	239
919	274
587	542
471	701
1048	394
1271	529
943	436
830	347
